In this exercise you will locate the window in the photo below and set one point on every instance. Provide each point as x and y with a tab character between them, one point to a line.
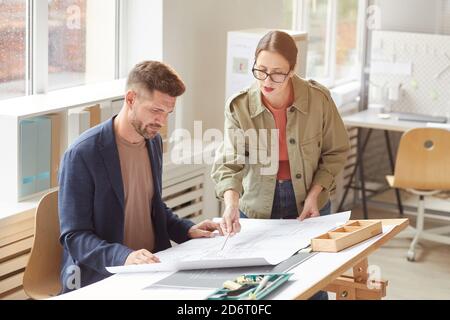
81	46
334	31
346	39
66	43
12	48
81	42
317	28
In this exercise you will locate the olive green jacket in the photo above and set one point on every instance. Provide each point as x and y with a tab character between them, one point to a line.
317	144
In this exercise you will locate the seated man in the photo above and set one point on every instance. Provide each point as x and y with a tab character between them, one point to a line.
110	206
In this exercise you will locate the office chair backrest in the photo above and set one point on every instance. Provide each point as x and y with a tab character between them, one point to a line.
41	279
423	160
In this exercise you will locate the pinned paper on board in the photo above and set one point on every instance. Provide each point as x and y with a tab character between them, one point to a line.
395	68
421	62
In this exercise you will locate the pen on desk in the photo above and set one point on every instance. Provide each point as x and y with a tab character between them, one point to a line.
225	242
261	285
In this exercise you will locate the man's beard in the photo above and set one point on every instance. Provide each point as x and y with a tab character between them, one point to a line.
142	131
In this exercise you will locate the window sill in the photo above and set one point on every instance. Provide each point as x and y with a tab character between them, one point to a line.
59	100
346	93
342	92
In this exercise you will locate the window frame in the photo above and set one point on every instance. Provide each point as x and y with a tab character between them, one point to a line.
301	21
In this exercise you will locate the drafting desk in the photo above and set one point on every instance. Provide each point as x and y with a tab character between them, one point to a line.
370	120
323	271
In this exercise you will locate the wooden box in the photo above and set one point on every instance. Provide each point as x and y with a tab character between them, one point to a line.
351	233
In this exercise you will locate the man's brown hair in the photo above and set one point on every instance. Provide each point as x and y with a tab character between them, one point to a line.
155	75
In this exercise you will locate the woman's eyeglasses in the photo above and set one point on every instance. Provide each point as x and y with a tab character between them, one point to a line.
277	77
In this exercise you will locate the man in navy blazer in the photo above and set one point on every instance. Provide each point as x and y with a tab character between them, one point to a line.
93	209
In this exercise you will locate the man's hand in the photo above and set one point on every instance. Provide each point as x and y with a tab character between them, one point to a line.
141	257
230	221
204	229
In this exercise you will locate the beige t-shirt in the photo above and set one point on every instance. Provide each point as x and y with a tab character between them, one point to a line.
138	191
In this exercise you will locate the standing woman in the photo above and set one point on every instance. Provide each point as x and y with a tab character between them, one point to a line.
312	142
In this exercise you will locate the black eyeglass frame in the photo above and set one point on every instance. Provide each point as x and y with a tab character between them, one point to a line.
269	74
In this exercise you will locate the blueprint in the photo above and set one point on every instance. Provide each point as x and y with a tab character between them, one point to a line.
260	243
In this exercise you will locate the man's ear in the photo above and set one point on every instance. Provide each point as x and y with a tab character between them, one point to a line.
130	98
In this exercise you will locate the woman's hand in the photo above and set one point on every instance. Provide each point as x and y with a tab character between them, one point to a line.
310	208
230	219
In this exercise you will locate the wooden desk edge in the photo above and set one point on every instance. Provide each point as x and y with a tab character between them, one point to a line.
400	224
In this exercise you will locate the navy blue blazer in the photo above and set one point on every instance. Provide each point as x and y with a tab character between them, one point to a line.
91	207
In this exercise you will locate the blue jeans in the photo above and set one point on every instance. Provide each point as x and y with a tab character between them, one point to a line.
285	207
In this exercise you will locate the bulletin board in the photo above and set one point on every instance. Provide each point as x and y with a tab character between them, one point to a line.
419	63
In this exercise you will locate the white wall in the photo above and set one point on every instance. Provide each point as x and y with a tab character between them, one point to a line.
194	43
142	33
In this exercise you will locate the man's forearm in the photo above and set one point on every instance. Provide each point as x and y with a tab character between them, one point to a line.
88	249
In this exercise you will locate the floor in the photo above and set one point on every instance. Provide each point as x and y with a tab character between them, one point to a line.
426	278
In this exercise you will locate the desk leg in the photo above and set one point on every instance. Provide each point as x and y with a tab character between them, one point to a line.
360	271
391	161
361	175
358	286
359	160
